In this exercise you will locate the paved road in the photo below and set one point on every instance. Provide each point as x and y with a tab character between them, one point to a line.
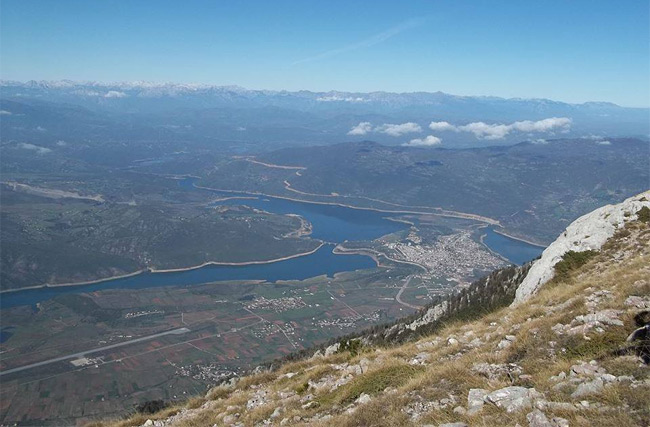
399	295
94	350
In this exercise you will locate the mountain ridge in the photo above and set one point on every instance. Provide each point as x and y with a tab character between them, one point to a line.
325	96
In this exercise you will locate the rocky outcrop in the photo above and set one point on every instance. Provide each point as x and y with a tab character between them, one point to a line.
494	290
589	232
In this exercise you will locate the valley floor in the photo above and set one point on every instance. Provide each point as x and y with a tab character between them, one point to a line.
559	359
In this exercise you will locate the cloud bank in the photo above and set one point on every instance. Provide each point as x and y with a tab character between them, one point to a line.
442	126
364	128
37	148
361	129
429	141
482	130
398	130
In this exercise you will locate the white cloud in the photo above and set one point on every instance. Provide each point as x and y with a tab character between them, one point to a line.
5	113
600	140
498	131
115	94
442	126
429	141
593	137
539	141
41	129
361	129
545	125
37	148
398	130
61	143
483	130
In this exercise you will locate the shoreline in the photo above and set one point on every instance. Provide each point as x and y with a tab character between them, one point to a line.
503	233
238	264
438	210
442	212
88	282
367	252
171	270
493	252
341	250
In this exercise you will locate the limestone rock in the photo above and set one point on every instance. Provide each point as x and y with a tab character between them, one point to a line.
587	369
591	387
420	359
512	399
452	341
332	349
432	315
589	232
364	398
605	317
538	419
559	422
475	400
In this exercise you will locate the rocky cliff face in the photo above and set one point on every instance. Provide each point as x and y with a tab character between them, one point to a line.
589	232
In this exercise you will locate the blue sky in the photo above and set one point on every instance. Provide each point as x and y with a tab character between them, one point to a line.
571	51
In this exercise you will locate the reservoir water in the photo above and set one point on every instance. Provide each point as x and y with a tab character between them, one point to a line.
330	223
323	261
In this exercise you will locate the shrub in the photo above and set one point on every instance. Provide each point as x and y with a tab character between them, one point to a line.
353	346
302	388
571	261
643	215
373	383
151	406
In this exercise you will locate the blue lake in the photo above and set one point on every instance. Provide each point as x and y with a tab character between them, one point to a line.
515	251
320	262
330	223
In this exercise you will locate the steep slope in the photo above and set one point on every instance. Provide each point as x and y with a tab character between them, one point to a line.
587	233
559	358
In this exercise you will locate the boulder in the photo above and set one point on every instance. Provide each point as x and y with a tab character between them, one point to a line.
363	399
332	349
420	359
538	419
513	398
591	387
476	400
605	317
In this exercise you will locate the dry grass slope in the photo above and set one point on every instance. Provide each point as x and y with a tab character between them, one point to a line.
568	344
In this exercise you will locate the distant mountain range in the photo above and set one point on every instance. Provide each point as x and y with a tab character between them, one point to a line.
232	118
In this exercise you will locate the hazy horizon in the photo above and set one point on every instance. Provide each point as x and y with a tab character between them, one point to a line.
576	52
151	83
